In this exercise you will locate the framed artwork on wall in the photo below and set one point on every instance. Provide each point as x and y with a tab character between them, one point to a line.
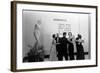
46	36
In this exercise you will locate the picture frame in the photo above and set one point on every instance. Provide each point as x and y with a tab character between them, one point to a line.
54	18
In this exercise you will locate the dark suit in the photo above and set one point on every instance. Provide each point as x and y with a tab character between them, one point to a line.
63	49
57	45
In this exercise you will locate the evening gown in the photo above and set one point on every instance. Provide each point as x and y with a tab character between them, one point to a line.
71	50
53	52
80	50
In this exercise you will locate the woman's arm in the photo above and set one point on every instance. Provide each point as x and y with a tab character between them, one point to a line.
68	40
73	40
81	41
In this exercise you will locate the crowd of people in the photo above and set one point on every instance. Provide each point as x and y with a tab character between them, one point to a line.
63	47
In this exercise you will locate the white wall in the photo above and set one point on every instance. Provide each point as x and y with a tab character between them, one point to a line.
5	37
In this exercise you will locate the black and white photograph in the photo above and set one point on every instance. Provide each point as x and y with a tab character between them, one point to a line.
55	36
52	36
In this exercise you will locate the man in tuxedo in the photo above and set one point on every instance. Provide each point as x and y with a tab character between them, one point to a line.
63	50
58	45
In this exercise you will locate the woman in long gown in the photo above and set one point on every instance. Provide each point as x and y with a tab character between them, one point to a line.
53	52
79	47
71	46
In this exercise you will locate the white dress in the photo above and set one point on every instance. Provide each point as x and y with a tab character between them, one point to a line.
53	52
